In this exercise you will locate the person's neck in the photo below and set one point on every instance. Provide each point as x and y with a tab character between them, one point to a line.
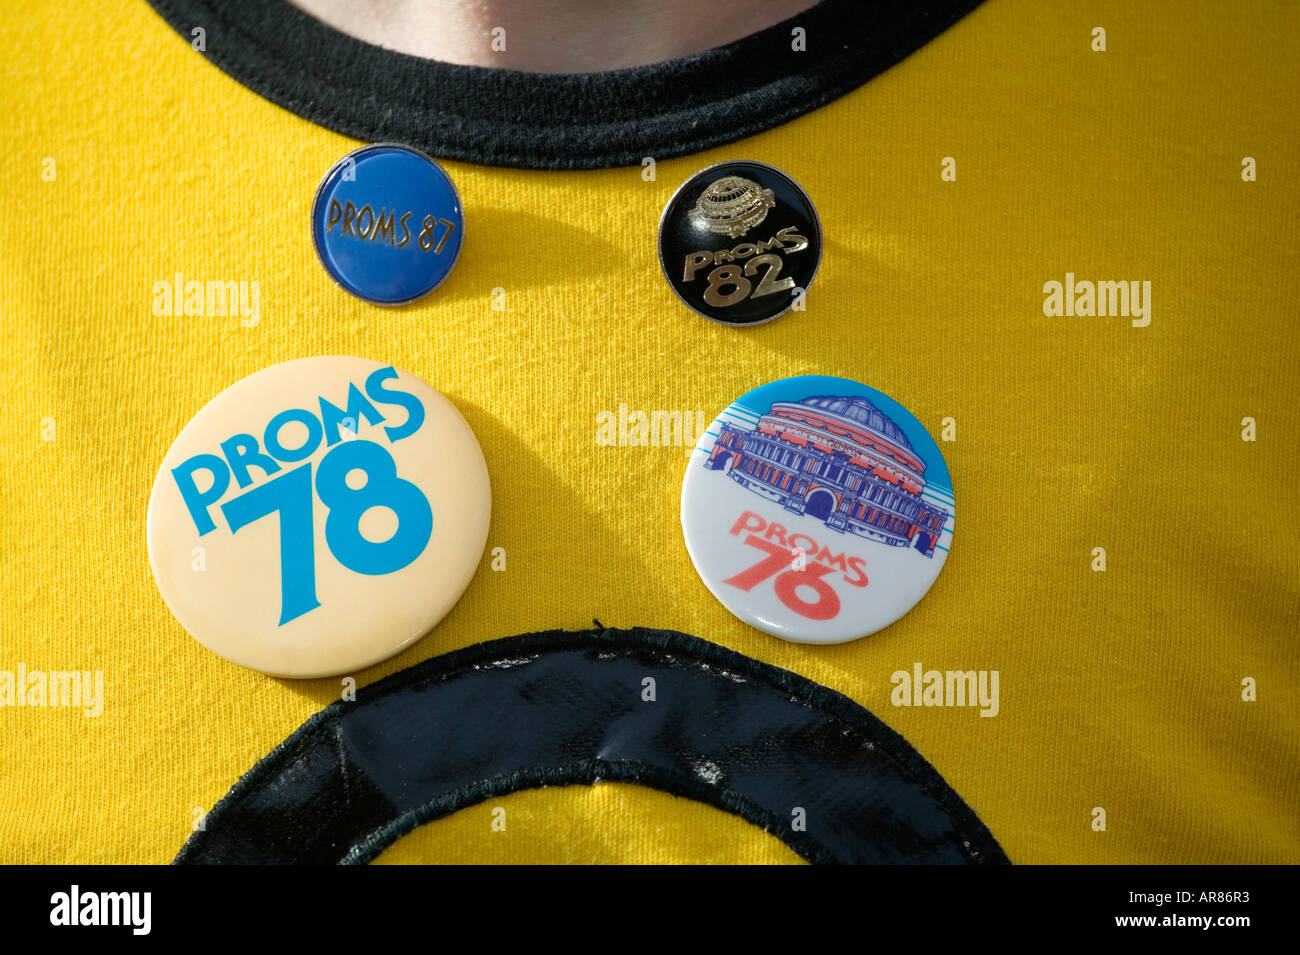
551	36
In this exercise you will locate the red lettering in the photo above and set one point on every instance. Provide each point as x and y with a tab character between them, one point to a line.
776	560
743	524
860	567
810	548
787	583
827	604
836	560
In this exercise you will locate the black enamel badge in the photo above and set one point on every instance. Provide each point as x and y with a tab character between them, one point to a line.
740	243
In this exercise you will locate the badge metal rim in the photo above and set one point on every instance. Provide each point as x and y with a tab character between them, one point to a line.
316	239
663	217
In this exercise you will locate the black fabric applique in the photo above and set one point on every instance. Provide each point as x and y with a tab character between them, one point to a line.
549	121
561	708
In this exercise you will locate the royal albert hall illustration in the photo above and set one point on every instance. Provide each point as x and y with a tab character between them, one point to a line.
837	459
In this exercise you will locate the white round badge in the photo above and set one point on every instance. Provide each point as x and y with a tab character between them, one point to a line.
318	516
817	509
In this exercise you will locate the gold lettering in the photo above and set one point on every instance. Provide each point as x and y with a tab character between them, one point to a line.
789	235
694	262
383	227
365	211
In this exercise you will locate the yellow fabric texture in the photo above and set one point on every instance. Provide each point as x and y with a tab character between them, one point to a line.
604	824
1120	689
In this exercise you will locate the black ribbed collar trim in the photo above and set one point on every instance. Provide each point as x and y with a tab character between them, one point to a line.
571	121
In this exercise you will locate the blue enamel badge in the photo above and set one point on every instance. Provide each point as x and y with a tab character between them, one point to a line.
387	223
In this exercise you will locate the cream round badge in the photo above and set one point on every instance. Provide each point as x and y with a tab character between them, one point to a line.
740	242
318	516
817	509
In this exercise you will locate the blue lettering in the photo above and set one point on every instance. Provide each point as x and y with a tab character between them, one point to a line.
378	393
198	501
272	437
358	408
242	452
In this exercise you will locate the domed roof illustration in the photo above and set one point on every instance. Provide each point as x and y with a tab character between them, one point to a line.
862	411
732	206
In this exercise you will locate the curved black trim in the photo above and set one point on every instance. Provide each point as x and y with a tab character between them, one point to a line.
573	121
559	708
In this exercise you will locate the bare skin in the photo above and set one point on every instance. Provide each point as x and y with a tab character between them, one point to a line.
551	36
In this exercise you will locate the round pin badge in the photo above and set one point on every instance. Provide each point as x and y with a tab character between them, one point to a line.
740	242
817	509
318	516
387	223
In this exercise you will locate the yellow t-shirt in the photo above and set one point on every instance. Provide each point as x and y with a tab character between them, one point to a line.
1124	558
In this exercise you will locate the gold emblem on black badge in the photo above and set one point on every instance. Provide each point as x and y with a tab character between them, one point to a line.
732	206
739	242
